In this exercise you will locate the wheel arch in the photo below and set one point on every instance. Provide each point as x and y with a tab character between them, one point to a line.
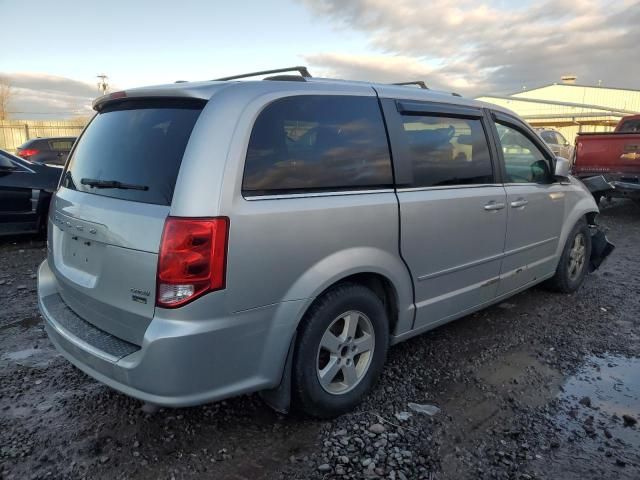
385	274
279	398
585	208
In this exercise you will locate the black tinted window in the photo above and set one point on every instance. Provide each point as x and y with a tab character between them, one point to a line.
138	144
313	142
447	151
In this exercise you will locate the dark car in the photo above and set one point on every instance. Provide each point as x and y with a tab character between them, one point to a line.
25	192
49	150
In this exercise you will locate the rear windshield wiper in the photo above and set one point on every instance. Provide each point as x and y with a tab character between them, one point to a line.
94	182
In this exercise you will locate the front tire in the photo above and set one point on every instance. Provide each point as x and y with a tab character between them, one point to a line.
574	262
340	352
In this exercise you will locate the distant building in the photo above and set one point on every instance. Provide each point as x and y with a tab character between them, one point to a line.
571	108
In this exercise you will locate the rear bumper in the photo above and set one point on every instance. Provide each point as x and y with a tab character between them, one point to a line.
180	362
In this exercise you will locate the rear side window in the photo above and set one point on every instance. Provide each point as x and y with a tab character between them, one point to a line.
447	151
139	144
317	143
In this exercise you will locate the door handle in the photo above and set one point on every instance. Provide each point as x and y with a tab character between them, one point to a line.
493	205
521	202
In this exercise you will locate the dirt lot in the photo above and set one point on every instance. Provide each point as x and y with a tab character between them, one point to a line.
540	386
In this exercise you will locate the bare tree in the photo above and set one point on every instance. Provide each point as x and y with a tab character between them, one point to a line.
5	97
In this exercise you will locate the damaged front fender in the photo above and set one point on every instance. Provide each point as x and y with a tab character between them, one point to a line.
601	247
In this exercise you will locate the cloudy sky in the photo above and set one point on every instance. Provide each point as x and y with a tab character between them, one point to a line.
470	46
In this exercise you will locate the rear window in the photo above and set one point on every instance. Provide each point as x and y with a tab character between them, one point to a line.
317	143
139	144
34	143
630	126
61	144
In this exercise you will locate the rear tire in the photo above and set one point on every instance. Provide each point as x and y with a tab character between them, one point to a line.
574	262
340	351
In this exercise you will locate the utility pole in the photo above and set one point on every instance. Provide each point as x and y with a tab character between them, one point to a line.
103	86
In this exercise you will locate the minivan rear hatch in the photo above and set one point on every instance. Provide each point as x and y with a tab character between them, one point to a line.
108	215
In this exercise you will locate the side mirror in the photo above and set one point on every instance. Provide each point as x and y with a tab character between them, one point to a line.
562	168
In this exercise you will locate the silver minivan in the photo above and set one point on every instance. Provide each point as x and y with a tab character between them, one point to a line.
216	238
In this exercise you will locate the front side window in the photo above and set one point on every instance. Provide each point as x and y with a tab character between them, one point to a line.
447	151
317	143
524	161
8	161
5	162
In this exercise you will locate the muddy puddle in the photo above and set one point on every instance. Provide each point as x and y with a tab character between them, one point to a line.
23	324
30	357
597	424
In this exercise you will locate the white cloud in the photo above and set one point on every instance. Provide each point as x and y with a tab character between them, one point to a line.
385	69
482	46
41	96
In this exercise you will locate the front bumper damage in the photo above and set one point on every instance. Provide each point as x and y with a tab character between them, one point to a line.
601	247
612	187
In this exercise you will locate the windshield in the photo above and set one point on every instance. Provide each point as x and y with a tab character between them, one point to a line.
133	143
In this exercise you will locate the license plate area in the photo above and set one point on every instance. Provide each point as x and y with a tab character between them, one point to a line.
82	253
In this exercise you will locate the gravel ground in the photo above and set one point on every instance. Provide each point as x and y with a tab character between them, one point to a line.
541	386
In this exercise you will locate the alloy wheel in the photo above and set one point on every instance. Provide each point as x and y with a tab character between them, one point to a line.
345	352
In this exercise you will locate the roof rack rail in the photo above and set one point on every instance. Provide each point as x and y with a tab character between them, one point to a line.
419	83
301	70
286	78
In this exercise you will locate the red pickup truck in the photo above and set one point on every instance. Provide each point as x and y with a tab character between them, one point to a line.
609	163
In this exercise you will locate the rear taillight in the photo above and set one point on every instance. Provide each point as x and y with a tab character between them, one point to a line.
27	152
192	260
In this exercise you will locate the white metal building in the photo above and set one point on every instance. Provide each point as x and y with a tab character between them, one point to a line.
571	108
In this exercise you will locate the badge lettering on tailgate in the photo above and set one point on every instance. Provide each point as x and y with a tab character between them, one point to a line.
139	296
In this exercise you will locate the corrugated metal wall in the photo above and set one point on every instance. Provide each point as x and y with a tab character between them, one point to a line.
606	97
595	116
14	133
